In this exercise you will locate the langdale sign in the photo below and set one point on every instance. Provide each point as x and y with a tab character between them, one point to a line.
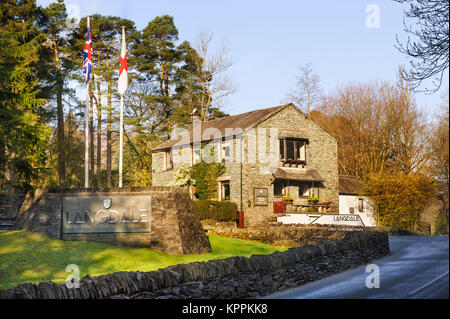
98	213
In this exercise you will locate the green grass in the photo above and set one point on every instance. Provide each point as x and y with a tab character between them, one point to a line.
30	258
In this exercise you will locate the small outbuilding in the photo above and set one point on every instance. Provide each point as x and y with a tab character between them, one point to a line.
351	200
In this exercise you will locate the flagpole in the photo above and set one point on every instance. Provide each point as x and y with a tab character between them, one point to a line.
86	149
121	141
122	89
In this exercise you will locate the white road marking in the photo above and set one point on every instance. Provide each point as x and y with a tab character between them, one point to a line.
428	284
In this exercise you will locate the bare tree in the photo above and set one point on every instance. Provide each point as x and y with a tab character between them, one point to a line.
211	75
378	127
428	42
307	90
439	140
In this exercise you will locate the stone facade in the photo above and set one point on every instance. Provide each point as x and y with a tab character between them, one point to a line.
175	226
234	277
259	149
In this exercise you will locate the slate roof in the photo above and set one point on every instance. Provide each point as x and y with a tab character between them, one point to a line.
350	185
244	121
298	174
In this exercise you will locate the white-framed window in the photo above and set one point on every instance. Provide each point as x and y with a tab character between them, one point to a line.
196	155
168	160
361	204
225	190
304	189
225	152
279	188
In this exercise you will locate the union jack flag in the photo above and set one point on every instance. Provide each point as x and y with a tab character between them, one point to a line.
87	63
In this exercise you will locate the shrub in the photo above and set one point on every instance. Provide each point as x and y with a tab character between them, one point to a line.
219	211
205	176
441	224
400	198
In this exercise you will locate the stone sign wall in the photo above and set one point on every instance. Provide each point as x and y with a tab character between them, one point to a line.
161	218
106	214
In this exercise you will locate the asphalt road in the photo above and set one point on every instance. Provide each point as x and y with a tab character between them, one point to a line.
418	267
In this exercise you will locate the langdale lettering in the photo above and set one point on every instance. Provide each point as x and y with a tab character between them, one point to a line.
108	216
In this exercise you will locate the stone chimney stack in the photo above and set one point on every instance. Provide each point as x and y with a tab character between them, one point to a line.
195	116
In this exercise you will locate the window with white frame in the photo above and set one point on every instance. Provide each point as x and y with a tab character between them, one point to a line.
225	190
196	155
304	189
168	162
360	204
278	188
225	152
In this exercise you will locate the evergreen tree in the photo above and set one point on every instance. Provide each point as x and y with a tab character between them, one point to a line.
158	59
55	69
23	133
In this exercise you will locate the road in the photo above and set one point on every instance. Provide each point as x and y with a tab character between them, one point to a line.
418	267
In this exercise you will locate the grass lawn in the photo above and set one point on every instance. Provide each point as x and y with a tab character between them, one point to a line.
30	258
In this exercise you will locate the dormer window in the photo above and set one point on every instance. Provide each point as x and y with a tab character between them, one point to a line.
293	152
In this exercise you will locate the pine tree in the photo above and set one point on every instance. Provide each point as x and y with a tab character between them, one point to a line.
23	134
56	68
158	58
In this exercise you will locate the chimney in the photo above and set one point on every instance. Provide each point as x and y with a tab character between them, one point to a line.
195	116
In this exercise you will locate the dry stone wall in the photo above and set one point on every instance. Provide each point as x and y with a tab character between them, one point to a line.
235	277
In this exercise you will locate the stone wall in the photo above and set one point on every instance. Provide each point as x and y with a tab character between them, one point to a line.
14	199
280	234
41	213
235	277
9	208
175	225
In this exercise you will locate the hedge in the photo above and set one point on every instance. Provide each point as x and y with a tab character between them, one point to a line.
219	211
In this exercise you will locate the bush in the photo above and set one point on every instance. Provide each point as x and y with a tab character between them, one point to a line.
441	224
400	198
205	176
219	211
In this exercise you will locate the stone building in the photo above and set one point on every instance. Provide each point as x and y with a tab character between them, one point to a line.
268	153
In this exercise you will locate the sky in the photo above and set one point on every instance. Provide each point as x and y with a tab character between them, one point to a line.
345	41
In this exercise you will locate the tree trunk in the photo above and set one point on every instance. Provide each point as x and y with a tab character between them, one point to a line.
99	134
60	117
9	172
60	133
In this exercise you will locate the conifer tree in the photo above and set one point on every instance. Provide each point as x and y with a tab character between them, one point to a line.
23	134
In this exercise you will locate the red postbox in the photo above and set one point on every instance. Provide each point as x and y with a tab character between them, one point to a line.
240	219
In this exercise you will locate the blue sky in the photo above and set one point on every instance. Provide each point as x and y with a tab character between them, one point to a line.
269	40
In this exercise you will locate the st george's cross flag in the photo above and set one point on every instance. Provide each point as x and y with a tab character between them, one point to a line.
123	77
87	63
